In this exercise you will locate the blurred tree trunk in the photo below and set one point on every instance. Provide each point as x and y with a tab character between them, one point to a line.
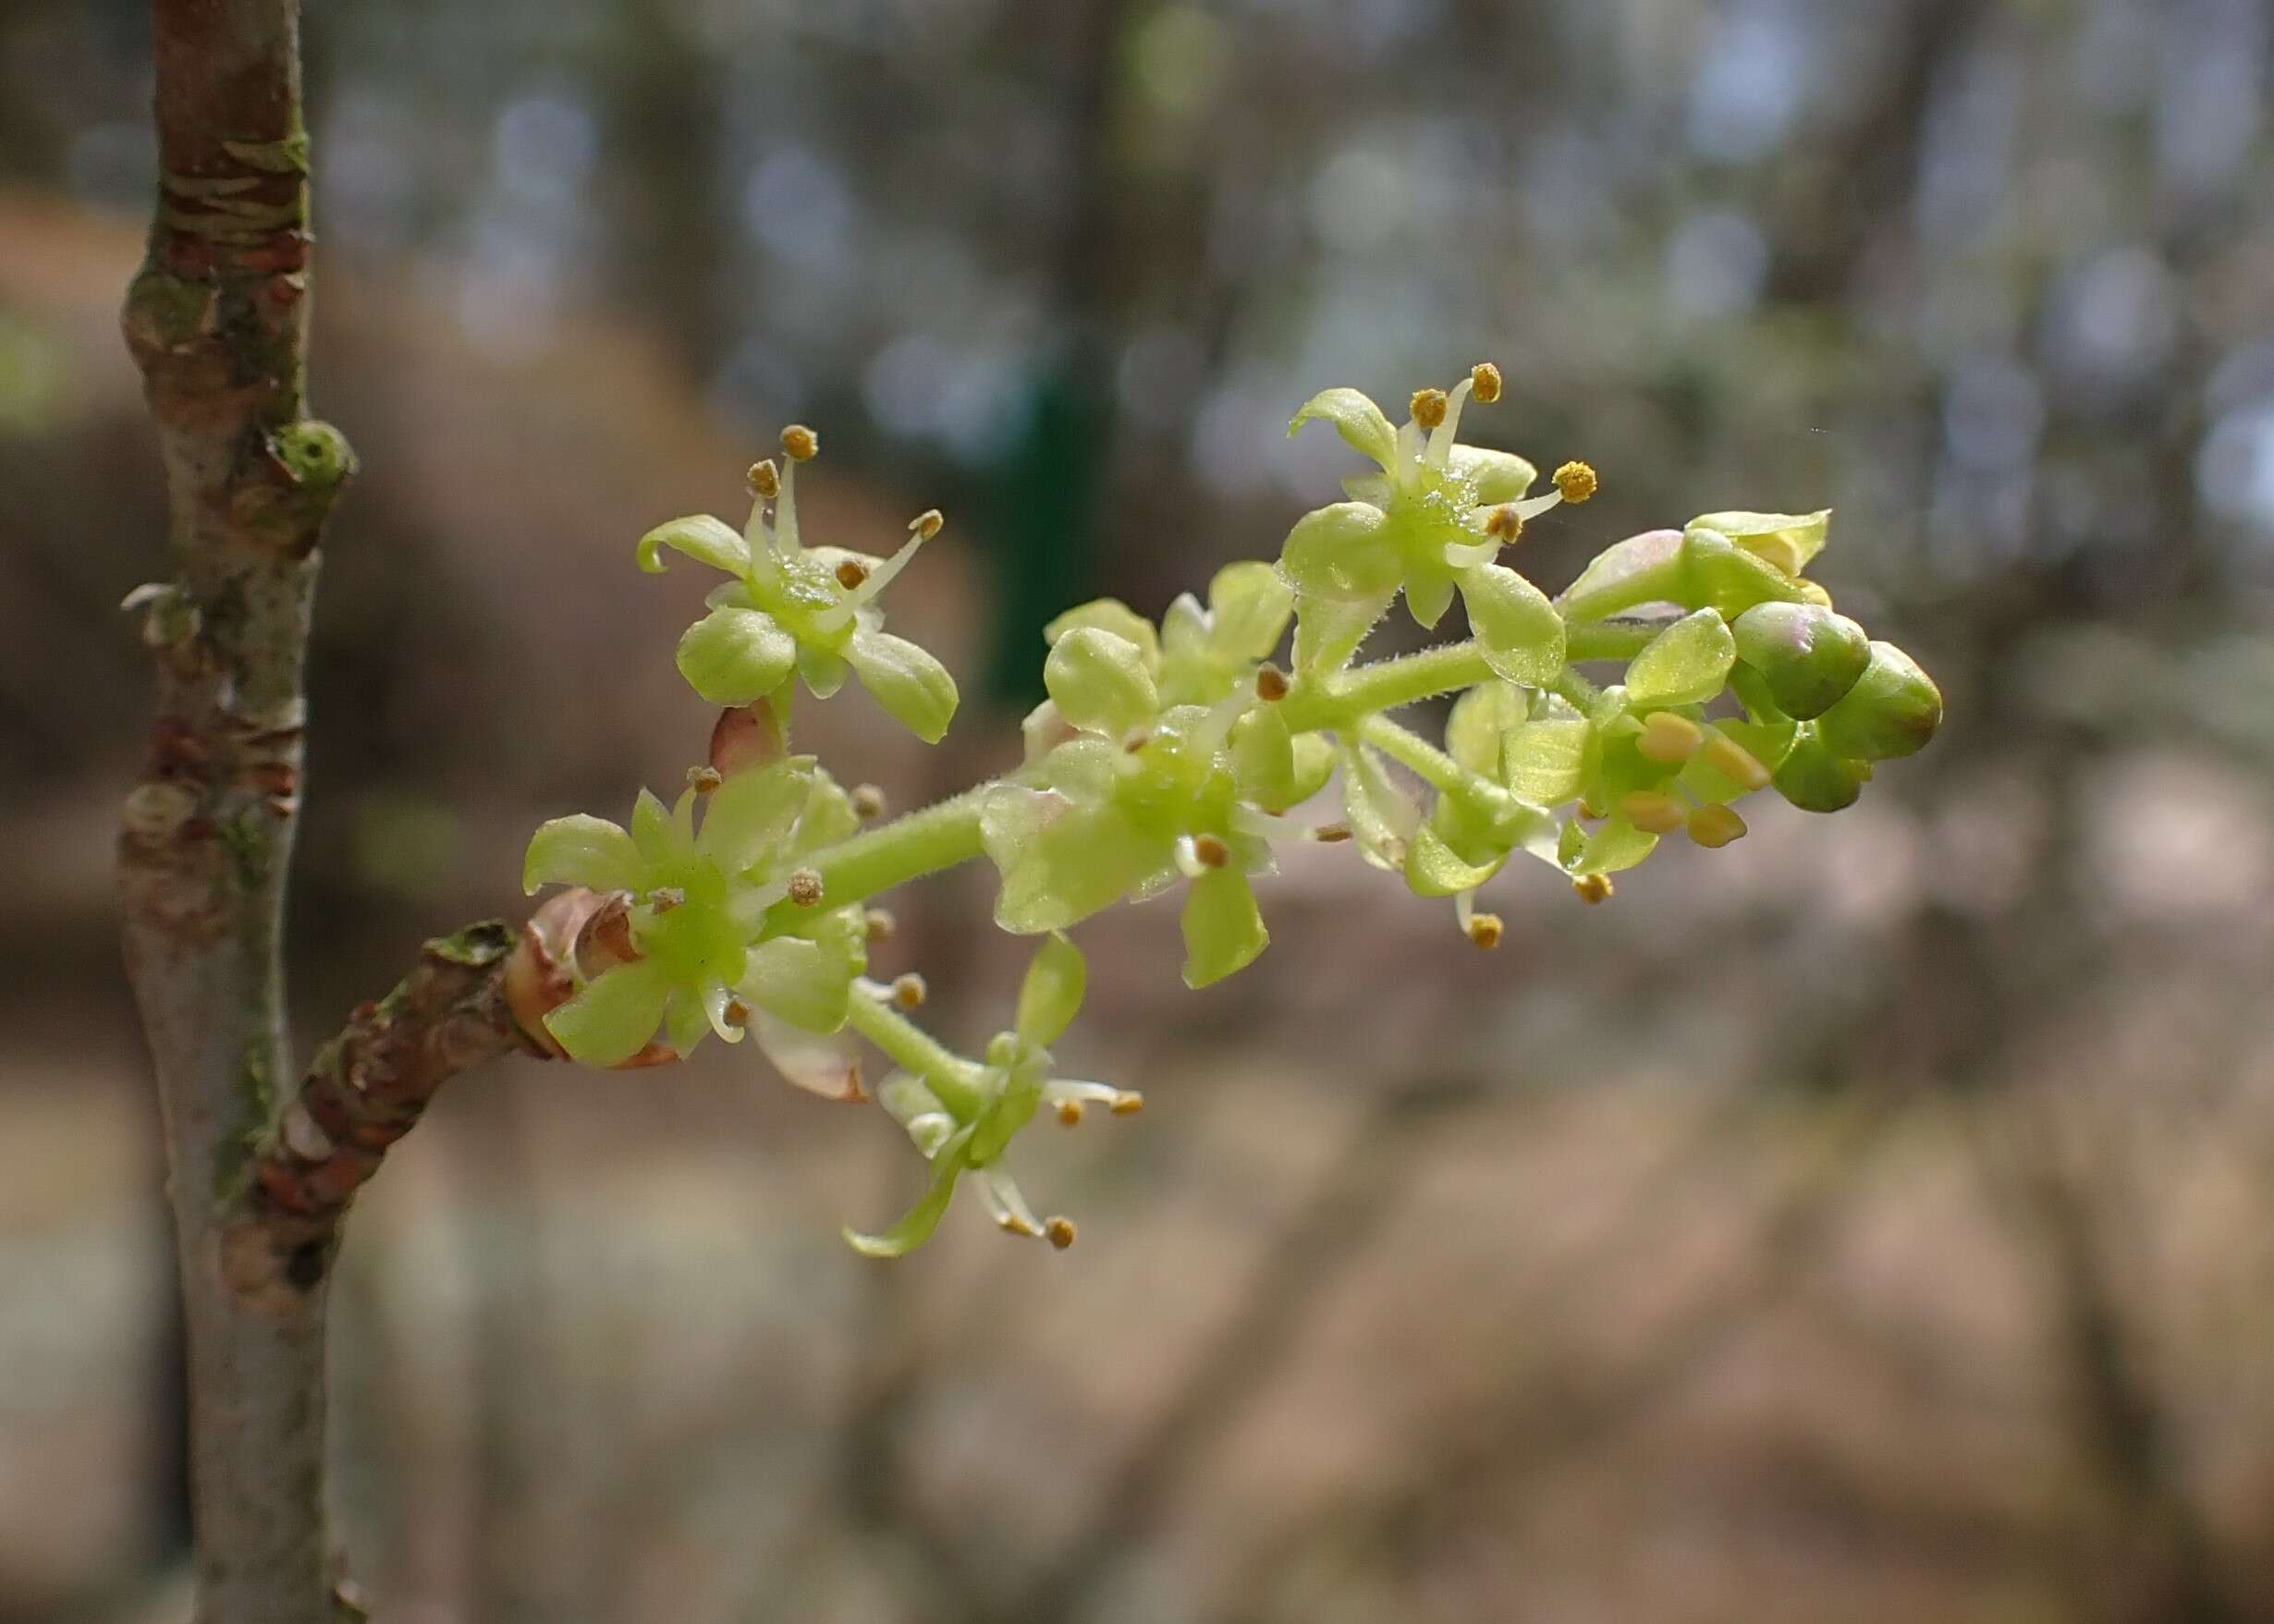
217	321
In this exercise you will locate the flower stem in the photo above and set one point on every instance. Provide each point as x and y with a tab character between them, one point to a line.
1434	766
1340	699
956	1080
939	836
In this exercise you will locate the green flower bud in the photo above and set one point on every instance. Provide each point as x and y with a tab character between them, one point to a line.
1892	710
1101	682
1808	656
1816	778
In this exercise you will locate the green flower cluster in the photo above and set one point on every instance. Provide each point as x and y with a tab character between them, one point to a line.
1158	758
1683	670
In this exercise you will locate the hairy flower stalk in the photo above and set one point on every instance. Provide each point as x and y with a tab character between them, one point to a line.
1683	671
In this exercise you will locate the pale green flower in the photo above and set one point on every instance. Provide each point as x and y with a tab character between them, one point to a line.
963	1113
1430	522
716	953
792	608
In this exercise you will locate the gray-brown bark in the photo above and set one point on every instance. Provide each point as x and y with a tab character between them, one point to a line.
217	320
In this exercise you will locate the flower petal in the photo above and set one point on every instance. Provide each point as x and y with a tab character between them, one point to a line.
753	813
1480	721
827	1065
1498	476
1544	762
1051	994
1339	551
1638	571
1433	868
915	1226
613	1018
1328	628
651	830
1686	664
824	670
1084	859
702	538
733	656
1223	928
1263	760
798	981
1517	628
914	687
1359	422
1615	845
1107	614
1249	604
686	1021
1787	540
579	850
1382	815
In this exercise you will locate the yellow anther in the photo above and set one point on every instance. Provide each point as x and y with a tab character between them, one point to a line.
1429	406
1734	761
1127	1103
1504	524
909	991
928	523
1211	851
1061	1233
800	444
1592	888
805	888
1069	1113
1669	739
1270	684
1484	382
851	573
1485	929
765	480
703	780
1576	481
664	898
736	1012
879	925
868	803
1652	813
1715	826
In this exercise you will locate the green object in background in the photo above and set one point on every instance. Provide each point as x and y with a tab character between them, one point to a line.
1042	502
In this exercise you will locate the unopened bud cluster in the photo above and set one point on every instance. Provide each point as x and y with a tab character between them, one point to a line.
1685	670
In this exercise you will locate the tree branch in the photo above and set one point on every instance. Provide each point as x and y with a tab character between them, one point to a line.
365	1090
217	321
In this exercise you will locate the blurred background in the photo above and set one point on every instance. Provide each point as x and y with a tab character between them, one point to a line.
1870	1221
